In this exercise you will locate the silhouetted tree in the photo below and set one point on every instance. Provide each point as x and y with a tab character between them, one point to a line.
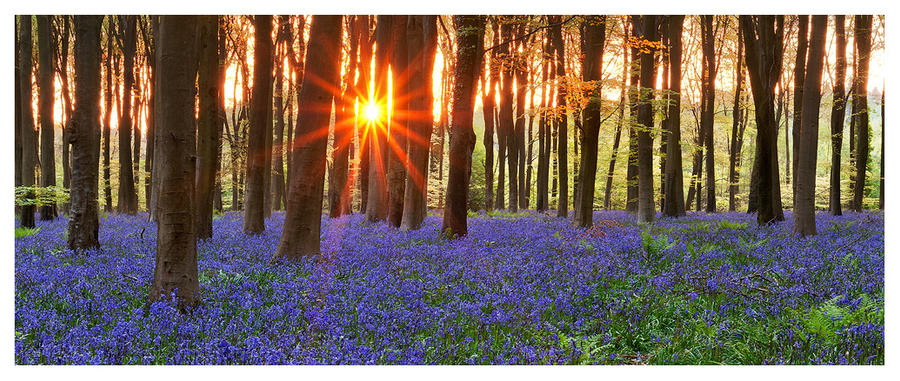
261	102
805	204
207	123
594	30
674	184
862	36
45	111
838	110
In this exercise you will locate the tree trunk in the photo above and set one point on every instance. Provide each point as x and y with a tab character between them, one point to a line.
84	220
207	124
708	108
260	103
107	119
362	86
734	147
45	111
151	125
805	205
542	201
176	237
521	73
63	72
488	111
127	193
561	149
278	184
377	204
799	75
338	193
631	203
398	128
674	172
646	28
862	35
302	224
469	42
594	36
838	109
29	138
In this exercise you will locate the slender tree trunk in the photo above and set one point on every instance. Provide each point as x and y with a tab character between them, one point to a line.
29	138
362	85
674	172
302	224
562	150
207	124
63	72
107	120
176	242
646	27
469	42
84	220
261	102
521	73
377	204
127	193
277	184
45	111
594	36
862	36
17	128
799	76
838	109
805	205
631	203
398	134
542	202
488	112
708	108
338	194
736	113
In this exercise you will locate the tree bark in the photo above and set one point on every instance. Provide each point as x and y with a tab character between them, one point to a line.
469	42
362	86
561	149
377	204
127	193
176	237
338	193
594	36
45	111
707	112
674	172
862	36
646	28
488	111
29	138
302	224
805	206
261	102
542	200
838	110
799	75
399	123
84	220
207	124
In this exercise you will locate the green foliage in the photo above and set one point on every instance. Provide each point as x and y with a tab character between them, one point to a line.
653	246
732	225
25	232
41	196
827	319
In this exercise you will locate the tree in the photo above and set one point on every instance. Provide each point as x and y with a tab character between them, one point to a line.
422	43
469	42
29	140
674	185
708	108
506	126
398	127
805	204
207	122
84	220
862	36
261	102
45	111
620	118
560	49
176	236
377	204
302	223
594	30
838	109
278	185
338	193
127	192
645	28
799	87
488	86
542	202
764	50
362	86
107	118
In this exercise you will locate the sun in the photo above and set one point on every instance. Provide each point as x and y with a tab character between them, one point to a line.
371	112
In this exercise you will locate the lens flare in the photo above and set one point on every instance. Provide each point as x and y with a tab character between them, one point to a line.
371	112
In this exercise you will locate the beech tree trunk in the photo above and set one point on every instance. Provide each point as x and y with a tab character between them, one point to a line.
84	220
646	27
260	103
805	205
362	86
45	111
107	119
377	204
594	37
176	237
338	193
127	192
862	36
488	111
303	219
278	185
707	113
521	74
799	75
542	201
29	138
398	128
631	203
469	42
563	126
838	110
207	123
674	184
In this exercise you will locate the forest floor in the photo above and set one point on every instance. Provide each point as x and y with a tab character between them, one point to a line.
520	288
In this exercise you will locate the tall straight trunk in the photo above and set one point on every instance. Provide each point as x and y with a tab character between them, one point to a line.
838	109
707	112
666	97
151	115
17	128
469	42
63	72
674	172
154	180
561	152
631	203
508	159
303	219
127	192
488	112
207	123
799	76
220	117
278	185
84	220
763	42
805	205
45	111
529	137
421	38
362	85
377	204
338	193
398	127
107	120
862	36
29	138
521	73
176	237
261	102
542	201
734	148
594	30
646	27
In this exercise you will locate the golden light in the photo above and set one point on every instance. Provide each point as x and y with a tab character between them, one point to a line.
371	112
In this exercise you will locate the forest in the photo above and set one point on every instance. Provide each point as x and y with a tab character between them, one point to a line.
449	189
